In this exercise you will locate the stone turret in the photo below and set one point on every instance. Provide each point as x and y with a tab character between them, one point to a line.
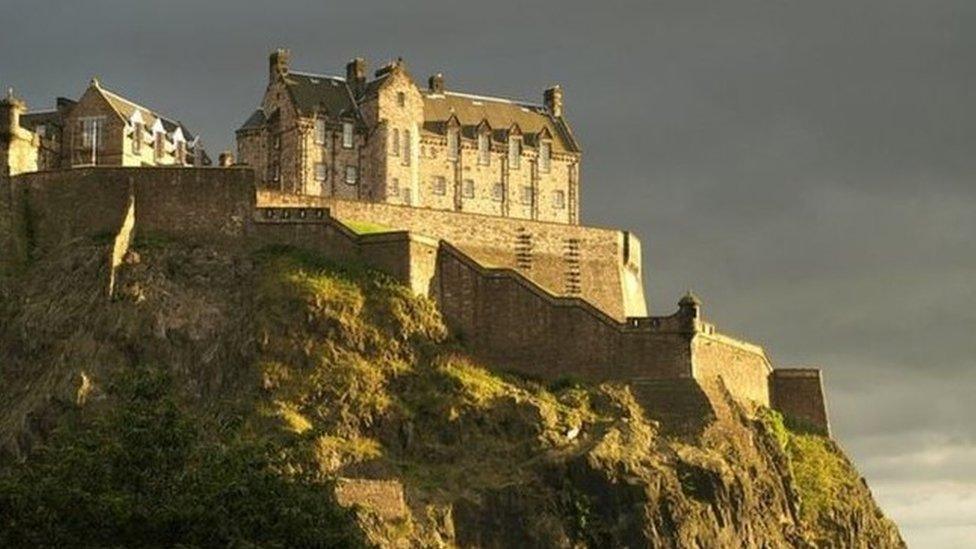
10	110
18	146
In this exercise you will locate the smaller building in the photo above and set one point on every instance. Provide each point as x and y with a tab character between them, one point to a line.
100	128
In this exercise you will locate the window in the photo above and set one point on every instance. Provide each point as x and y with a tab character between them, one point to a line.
275	172
137	138
91	132
545	156
401	99
394	188
525	197
484	149
347	135
320	171
440	185
277	141
467	190
160	145
514	152
180	152
395	144
558	199
319	131
406	147
40	130
352	174
453	143
407	196
498	192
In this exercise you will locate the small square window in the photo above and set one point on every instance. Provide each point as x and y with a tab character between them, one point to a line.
320	171
467	190
498	192
352	175
558	199
440	186
394	188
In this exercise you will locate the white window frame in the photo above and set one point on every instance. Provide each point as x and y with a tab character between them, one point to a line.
352	174
484	149
514	152
347	135
498	192
320	131
439	185
321	171
453	144
545	156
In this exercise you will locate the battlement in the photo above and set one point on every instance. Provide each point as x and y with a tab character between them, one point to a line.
502	309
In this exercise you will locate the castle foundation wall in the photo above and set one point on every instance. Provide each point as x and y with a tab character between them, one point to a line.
742	367
799	395
601	266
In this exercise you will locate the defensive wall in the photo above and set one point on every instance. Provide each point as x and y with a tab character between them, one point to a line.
602	266
499	312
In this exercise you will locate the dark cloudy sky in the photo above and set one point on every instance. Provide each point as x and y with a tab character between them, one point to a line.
806	167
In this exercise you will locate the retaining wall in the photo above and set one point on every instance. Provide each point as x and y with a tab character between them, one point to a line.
600	265
798	393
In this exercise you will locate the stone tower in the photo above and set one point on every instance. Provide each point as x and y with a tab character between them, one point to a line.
18	146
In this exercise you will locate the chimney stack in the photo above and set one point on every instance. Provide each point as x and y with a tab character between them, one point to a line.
436	83
552	98
356	75
278	63
226	159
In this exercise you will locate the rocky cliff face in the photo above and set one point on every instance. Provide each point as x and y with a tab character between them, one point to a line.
341	373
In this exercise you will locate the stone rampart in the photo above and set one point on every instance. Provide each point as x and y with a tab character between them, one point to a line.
599	265
743	367
798	393
383	497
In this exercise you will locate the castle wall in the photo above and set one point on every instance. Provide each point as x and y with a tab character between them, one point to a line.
798	393
509	321
743	367
599	265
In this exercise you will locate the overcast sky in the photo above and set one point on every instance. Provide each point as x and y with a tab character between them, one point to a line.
806	167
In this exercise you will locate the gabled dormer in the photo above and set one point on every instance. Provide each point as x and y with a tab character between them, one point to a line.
514	146
453	129
483	132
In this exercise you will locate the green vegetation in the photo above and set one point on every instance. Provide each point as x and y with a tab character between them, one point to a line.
144	471
366	227
822	476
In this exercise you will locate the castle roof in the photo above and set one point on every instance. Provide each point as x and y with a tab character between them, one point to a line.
126	108
312	93
500	114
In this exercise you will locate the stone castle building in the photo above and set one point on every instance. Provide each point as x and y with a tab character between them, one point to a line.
388	140
101	128
469	200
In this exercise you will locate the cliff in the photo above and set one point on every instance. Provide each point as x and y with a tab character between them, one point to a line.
327	378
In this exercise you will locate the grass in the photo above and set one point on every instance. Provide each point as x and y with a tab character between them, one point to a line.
366	227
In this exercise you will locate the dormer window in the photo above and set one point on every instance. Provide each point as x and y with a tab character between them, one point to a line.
514	152
180	152
159	150
545	156
484	148
320	131
347	136
137	131
453	143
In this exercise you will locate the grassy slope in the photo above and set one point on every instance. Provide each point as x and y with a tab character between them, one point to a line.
346	373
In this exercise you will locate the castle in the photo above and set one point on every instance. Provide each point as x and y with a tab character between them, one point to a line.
526	287
101	128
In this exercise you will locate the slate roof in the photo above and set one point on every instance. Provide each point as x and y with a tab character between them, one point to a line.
125	108
500	114
313	93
